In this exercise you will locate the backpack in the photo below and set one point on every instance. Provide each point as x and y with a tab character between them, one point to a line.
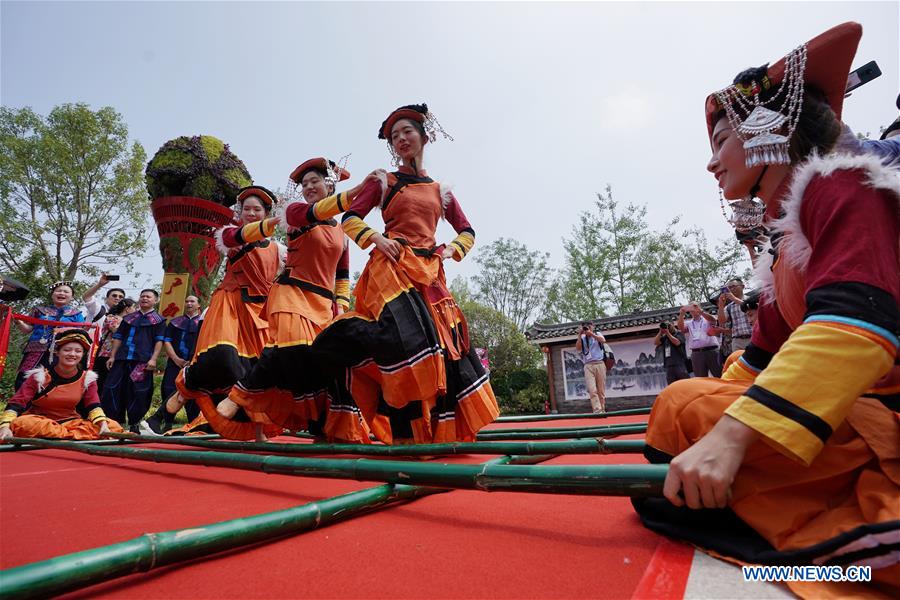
609	359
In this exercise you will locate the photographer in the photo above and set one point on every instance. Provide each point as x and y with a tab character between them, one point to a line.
730	316
674	356
590	345
93	311
702	339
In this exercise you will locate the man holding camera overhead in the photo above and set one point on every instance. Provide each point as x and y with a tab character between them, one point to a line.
590	344
702	338
731	317
674	356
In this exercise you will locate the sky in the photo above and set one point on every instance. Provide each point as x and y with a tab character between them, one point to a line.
547	102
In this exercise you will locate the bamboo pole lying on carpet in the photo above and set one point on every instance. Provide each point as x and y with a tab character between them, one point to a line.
525	434
561	417
26	444
154	550
598	480
585	446
562	429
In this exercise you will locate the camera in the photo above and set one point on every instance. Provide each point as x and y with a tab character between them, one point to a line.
663	325
110	277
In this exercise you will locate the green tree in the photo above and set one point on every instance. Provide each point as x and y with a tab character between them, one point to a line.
513	280
72	190
519	382
616	264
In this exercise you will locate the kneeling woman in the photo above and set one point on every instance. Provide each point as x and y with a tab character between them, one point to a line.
54	401
798	444
411	369
234	331
286	384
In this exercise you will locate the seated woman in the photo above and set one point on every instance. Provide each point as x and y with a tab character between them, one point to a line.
796	448
59	401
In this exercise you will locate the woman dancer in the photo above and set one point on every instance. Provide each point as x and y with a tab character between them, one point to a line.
797	446
286	384
411	369
59	401
234	330
37	348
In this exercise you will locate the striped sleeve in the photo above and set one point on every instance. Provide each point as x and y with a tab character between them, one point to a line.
750	364
20	401
465	239
811	384
301	214
352	223
342	279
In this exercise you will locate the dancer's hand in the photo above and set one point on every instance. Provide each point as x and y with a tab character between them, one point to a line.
109	363
704	472
5	433
390	248
376	174
151	365
447	253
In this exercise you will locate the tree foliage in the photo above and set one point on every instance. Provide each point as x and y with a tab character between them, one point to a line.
519	382
513	280
72	193
616	264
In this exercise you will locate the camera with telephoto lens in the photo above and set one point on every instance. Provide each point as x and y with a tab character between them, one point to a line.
663	325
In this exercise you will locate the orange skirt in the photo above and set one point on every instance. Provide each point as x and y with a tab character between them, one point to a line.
231	322
406	351
839	502
37	426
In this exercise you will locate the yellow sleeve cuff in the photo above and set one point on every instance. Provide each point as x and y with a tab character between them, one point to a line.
357	230
254	232
739	371
97	415
810	385
331	206
462	244
342	292
7	417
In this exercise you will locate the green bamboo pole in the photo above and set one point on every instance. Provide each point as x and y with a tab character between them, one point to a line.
602	480
561	417
524	434
585	446
119	439
154	550
561	429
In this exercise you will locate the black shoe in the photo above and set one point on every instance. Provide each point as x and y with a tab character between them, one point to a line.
135	429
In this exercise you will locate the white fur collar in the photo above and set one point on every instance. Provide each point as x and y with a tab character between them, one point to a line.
794	245
39	375
220	243
446	197
89	378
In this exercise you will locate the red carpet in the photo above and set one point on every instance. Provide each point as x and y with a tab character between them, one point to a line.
462	544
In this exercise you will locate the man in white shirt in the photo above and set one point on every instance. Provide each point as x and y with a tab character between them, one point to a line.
702	339
93	311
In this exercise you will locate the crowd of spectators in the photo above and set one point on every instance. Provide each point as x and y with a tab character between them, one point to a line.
129	338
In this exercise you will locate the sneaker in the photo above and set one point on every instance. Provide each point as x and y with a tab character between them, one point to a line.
145	429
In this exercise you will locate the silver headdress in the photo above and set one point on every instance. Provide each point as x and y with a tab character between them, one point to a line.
758	122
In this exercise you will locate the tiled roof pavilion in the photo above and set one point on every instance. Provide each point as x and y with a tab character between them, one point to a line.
541	333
